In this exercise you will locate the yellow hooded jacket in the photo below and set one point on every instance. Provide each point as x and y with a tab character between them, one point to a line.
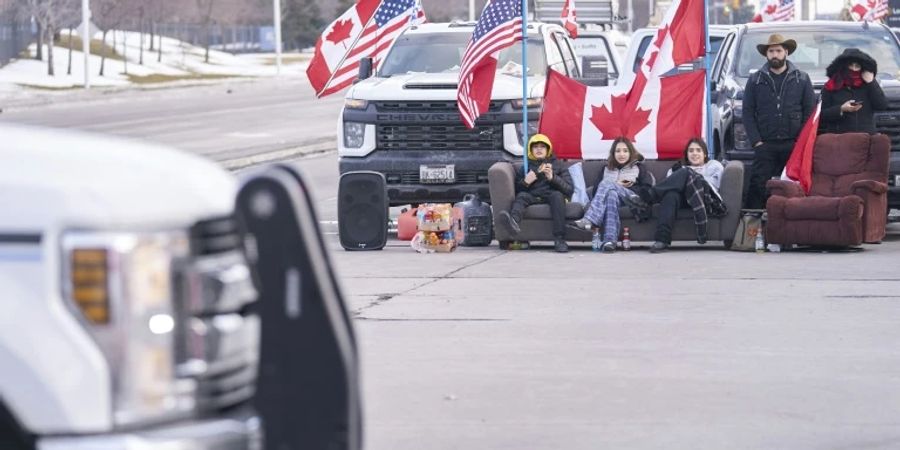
540	138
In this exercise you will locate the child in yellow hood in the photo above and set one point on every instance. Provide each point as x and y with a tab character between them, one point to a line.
545	182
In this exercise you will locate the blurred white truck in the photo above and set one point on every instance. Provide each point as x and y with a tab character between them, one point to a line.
125	294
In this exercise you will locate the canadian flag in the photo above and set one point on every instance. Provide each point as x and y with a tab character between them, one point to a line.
659	113
331	68
799	165
568	16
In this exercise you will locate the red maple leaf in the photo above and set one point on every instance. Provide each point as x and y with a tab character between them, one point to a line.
618	120
340	32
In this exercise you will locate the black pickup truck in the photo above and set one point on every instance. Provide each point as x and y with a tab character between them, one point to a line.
818	43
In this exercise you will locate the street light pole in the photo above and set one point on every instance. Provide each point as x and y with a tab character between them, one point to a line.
85	40
471	10
277	37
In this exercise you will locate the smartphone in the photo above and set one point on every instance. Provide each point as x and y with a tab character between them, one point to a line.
856	102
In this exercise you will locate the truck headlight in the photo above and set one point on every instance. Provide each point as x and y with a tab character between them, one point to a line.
354	134
535	102
739	133
123	286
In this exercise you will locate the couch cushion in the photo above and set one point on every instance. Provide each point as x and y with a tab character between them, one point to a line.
812	208
841	154
574	210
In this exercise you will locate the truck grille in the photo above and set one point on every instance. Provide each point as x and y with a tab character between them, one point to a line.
426	106
217	344
438	137
888	122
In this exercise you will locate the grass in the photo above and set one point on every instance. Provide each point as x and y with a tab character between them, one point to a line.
97	47
161	78
287	59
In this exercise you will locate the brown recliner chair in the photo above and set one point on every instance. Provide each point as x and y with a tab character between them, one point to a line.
847	204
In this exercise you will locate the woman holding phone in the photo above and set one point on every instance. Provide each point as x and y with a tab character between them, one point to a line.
852	95
620	181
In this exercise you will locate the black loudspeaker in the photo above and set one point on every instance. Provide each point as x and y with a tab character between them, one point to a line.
308	386
362	211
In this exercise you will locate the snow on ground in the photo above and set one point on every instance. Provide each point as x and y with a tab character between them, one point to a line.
180	61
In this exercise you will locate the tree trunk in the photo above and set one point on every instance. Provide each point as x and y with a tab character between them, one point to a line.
50	67
103	54
152	34
69	66
40	45
159	50
208	36
125	50
115	42
141	57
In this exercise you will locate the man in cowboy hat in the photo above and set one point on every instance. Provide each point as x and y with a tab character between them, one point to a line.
778	99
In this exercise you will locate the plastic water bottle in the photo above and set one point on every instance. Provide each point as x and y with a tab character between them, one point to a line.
626	239
596	244
760	241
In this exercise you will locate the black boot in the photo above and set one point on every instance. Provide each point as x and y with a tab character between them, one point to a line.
560	245
511	223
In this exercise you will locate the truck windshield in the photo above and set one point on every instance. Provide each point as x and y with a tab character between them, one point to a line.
816	50
442	52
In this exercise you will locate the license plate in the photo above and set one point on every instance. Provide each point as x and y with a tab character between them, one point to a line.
897	180
443	173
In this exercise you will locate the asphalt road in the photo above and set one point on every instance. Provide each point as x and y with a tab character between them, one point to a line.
225	122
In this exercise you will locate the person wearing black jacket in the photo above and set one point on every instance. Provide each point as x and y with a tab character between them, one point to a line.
851	96
778	99
545	182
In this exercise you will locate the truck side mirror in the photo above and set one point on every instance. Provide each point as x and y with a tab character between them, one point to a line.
308	391
365	68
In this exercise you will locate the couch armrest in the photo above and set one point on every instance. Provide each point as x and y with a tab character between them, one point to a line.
785	188
732	190
501	182
862	187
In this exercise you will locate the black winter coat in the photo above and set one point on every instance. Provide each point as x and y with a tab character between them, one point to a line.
777	115
862	121
561	181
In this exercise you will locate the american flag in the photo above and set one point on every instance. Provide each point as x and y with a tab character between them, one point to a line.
391	18
775	11
784	11
499	26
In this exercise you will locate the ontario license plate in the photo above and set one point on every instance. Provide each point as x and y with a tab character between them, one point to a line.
441	173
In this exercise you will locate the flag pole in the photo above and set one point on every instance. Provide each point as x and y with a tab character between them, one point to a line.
525	86
709	125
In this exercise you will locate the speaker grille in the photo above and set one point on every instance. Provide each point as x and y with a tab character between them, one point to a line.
362	211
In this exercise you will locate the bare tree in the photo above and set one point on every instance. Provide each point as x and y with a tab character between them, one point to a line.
206	8
108	14
46	14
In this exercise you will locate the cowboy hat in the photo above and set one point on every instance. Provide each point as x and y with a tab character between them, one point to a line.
776	39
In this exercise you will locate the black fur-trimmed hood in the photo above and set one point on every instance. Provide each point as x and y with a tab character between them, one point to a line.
852	54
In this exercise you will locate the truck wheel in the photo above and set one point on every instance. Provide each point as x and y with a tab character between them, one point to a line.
504	245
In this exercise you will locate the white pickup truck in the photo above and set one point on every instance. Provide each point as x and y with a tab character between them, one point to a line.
125	294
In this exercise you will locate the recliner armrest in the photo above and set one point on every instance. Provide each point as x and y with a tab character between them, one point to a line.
501	182
785	188
876	187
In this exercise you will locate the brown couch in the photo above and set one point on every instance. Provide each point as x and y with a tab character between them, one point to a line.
537	226
847	203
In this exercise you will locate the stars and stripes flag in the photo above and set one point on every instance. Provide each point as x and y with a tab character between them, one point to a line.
499	26
869	10
775	11
365	30
569	19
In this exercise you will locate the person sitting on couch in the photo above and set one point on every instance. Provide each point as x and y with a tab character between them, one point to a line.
623	176
671	193
545	182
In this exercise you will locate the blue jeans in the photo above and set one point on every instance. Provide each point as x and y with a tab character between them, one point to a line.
603	212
